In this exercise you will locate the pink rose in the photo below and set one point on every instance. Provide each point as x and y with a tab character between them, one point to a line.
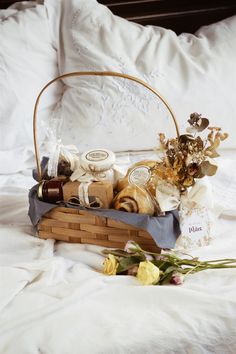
148	257
177	278
133	271
131	247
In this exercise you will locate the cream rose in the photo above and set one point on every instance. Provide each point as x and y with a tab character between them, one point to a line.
110	265
148	273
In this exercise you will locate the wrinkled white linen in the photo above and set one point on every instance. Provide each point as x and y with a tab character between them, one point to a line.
55	300
224	184
28	61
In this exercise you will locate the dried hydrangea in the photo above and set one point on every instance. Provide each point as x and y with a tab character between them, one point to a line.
189	156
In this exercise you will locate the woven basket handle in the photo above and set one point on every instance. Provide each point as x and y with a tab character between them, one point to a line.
90	73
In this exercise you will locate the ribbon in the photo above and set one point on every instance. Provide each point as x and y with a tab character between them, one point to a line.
199	195
83	198
90	175
169	197
83	193
83	175
86	177
68	152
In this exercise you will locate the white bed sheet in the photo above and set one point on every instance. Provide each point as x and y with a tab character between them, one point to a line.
54	300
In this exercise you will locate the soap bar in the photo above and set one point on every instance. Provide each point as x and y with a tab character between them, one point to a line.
99	194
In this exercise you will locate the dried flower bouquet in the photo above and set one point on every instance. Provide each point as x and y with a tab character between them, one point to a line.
190	156
185	159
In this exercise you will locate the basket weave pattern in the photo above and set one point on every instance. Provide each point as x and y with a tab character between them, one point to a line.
77	226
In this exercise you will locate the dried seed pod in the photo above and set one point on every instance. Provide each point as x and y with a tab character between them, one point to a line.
208	168
197	123
223	136
188	182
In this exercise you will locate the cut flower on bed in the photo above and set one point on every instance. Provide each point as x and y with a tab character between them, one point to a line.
157	268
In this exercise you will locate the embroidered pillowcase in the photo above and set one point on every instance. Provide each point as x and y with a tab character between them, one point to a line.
28	61
193	72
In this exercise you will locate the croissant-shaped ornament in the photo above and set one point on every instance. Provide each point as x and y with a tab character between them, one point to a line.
136	199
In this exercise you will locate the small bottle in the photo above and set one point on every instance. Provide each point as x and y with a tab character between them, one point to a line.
50	191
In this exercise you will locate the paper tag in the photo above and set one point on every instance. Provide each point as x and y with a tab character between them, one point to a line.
195	225
97	155
97	160
139	175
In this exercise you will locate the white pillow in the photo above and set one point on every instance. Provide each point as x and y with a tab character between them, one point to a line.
195	73
28	61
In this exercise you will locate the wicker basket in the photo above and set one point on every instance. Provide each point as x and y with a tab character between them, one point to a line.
77	226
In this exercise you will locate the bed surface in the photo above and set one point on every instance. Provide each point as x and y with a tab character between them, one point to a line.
54	299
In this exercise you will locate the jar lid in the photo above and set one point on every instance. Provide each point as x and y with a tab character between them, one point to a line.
40	190
139	175
97	160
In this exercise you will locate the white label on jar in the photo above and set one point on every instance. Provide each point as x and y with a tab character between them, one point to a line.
97	155
139	175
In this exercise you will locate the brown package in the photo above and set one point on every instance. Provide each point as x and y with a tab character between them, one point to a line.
97	191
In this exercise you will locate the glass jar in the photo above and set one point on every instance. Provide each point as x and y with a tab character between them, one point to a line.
50	191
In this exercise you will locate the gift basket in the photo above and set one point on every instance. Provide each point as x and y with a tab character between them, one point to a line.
82	201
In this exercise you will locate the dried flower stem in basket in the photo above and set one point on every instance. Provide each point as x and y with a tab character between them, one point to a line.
188	156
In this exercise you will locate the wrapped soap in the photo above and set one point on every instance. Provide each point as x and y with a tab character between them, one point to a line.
92	194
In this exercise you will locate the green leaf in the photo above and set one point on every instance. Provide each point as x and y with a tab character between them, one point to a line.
171	269
129	262
162	265
165	279
134	246
117	252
